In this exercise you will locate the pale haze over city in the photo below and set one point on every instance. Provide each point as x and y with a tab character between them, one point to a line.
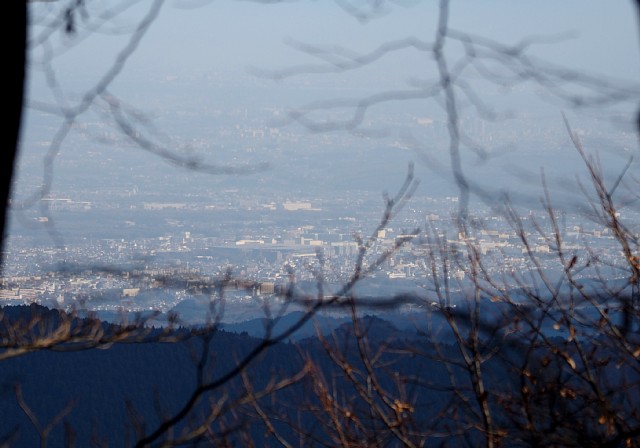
271	98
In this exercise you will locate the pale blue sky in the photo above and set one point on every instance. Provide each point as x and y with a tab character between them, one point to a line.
200	37
211	35
224	33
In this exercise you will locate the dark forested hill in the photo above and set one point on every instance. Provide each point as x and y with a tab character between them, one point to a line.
366	381
103	394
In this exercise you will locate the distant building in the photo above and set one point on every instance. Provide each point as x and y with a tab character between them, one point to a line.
164	205
9	294
267	288
130	292
293	206
28	294
248	242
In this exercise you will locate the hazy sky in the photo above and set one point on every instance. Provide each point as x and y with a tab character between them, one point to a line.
198	37
223	33
209	35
